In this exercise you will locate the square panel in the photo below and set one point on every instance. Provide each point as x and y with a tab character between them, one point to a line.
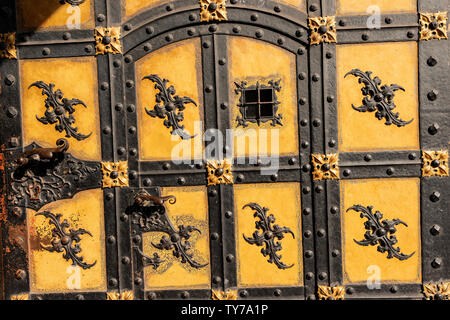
389	208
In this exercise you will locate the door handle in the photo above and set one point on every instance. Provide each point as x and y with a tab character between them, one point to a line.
39	154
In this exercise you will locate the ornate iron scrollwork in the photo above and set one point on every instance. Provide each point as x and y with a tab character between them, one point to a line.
170	106
258	103
59	110
380	232
268	235
149	214
66	241
379	99
43	175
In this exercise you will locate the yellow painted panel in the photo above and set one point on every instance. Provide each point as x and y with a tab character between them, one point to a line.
392	63
191	208
77	78
349	7
49	271
283	201
296	3
134	6
249	62
51	14
395	199
180	63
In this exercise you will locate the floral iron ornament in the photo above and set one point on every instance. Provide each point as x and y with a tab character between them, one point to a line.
437	291
331	293
435	163
322	29
379	99
433	25
59	110
213	10
268	235
64	241
380	232
149	214
169	106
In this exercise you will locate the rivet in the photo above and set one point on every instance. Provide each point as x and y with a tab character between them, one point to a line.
132	175
109	196
313	8
388	20
128	59
410	34
217	280
292	161
316	123
306	190
329	55
431	61
214	236
11	112
212	193
390	171
181	180
230	258
66	36
212	28
335	253
306	211
46	51
432	95
300	51
132	130
277	292
433	129
365	36
323	275
436	263
133	152
303	122
319	189
169	37
310	297
138	281
131	108
307	234
305	144
106	130
88	48
192	17
151	296
298	33
254	17
346	172
276	9
334	210
123	217
104	86
149	30
209	89
127	27
309	275
14	142
321	232
117	63
342	23
147	182
121	151
350	290
80	297
228	214
332	143
20	274
185	295
315	77
169	7
112	282
302	76
280	41
435	230
393	289
130	83
274	177
259	33
240	177
243	293
222	61
302	101
308	254
147	47
330	99
111	240
367	157
412	156
435	196
236	29
166	166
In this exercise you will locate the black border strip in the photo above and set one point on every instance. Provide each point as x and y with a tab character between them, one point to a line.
386	291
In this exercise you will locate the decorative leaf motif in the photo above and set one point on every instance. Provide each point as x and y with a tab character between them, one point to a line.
378	98
59	110
64	241
269	233
380	232
169	106
153	218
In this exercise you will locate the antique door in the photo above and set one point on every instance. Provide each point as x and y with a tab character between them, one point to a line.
213	149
